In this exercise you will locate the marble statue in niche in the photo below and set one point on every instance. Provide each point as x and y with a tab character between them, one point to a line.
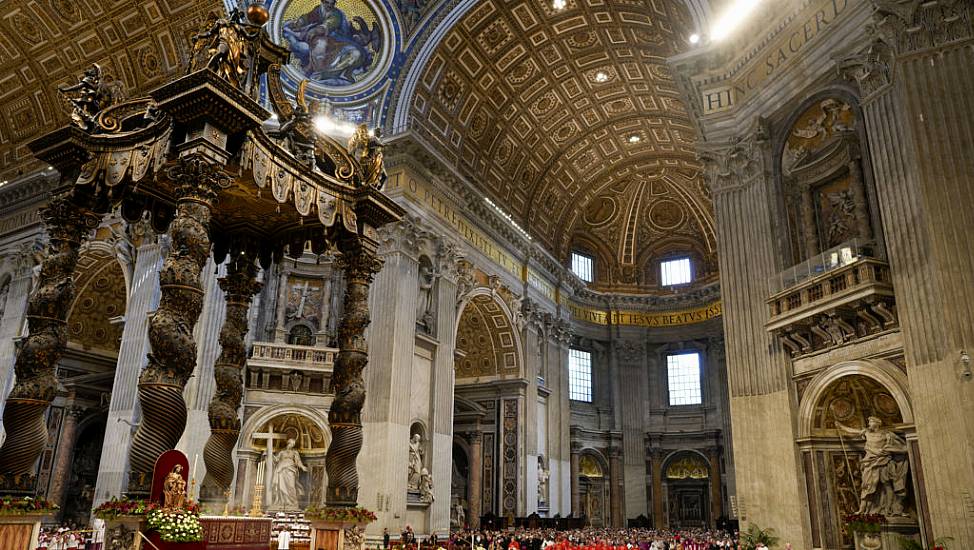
287	467
884	467
415	462
424	303
426	486
543	475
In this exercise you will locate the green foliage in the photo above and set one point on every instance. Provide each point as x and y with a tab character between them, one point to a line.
754	535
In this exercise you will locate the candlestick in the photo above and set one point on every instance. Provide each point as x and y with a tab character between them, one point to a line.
195	460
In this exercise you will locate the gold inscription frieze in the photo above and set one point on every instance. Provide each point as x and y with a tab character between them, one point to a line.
788	46
646	318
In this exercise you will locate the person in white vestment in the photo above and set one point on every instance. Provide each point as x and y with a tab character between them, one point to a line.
284	539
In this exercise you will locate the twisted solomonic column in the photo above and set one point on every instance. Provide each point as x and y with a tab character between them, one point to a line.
239	287
345	417
68	225
173	354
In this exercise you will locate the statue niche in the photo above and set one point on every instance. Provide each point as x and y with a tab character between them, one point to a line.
825	194
857	430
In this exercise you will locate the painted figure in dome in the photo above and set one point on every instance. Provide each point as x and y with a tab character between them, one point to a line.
330	48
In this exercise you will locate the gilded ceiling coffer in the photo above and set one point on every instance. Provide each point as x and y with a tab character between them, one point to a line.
193	158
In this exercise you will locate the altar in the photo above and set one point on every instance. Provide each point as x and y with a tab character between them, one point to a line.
236	533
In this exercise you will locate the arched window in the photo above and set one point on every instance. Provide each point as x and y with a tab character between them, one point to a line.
301	335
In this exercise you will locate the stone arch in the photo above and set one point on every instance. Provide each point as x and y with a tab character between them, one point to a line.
883	372
101	294
486	338
266	414
594	487
676	456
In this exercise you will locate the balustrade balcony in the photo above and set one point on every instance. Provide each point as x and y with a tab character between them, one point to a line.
835	298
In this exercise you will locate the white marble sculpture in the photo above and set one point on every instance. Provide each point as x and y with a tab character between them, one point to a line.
287	468
543	475
884	466
425	486
415	461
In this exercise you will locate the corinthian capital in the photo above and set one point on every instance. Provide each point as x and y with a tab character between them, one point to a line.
871	67
740	162
915	25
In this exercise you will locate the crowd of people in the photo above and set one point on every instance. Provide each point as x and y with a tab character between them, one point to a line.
69	537
578	539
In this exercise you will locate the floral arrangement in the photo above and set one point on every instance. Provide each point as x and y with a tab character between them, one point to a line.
19	506
175	525
864	523
350	515
124	507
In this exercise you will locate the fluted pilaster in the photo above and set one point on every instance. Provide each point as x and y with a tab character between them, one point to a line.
239	287
68	223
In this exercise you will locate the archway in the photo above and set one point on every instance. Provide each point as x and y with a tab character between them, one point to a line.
835	408
687	488
297	438
593	488
488	405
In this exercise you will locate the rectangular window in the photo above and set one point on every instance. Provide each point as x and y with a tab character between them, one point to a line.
583	265
675	272
580	375
683	375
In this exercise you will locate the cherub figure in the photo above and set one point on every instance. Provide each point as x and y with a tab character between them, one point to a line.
366	148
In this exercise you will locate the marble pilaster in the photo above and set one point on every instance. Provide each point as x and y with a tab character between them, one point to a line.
123	408
616	489
577	510
12	325
476	478
388	379
442	389
919	123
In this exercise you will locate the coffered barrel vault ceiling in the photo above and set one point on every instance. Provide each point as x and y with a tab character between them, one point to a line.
44	43
571	121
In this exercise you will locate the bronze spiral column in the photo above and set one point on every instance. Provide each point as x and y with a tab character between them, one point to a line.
68	224
239	286
345	417
173	355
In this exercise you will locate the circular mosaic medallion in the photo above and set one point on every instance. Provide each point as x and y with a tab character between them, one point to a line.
600	212
338	45
666	214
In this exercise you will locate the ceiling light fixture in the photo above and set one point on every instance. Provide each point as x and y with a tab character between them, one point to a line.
634	138
601	77
732	18
694	38
559	5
